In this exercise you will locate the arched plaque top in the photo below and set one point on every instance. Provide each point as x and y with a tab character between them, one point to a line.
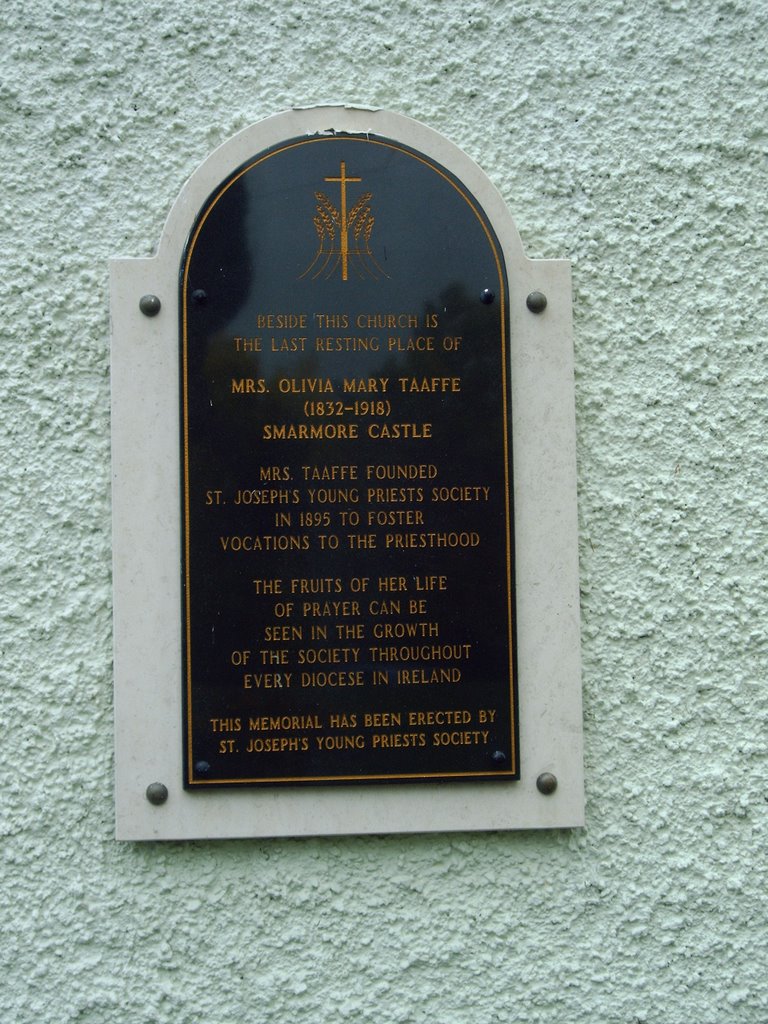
248	144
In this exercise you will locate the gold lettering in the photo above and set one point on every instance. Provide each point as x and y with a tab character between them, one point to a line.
248	386
340	472
420	344
288	344
399	431
309	432
431	385
365	385
381	719
247	344
386	741
330	609
281	321
273	633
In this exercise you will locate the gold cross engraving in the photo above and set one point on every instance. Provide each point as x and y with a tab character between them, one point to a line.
343	179
334	227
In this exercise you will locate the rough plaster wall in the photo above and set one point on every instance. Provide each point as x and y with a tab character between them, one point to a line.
628	137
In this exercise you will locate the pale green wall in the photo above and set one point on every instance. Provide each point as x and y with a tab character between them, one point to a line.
628	137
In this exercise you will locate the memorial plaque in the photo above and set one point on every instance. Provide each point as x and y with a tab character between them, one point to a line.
337	609
347	541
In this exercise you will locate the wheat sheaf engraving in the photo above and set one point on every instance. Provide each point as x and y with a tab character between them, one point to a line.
343	238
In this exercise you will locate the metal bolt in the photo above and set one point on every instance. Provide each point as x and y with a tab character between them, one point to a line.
199	296
202	767
487	296
536	302
546	783
498	757
157	793
149	305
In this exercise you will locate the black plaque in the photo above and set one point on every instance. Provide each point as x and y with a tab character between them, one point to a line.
348	611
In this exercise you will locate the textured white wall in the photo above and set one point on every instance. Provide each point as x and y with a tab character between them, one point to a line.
628	137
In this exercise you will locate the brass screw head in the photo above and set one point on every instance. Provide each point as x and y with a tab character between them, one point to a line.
546	783
536	302
157	793
149	305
